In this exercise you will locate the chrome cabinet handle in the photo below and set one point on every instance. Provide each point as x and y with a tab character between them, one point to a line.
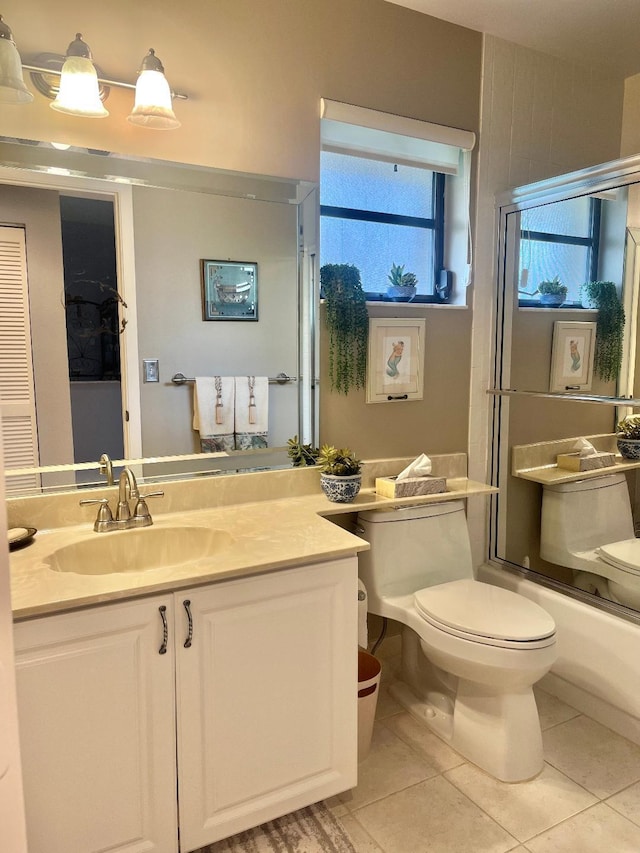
165	629
187	606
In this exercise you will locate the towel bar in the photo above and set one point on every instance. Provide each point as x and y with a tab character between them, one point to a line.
280	379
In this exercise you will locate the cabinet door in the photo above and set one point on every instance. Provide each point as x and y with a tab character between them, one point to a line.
267	697
97	730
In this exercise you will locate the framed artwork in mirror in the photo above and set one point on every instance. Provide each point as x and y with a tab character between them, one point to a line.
572	357
229	290
395	361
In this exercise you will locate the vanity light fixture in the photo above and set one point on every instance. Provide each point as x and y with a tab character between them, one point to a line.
152	106
78	87
79	91
12	87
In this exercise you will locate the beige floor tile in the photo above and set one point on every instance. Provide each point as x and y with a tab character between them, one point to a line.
429	746
387	705
433	817
336	806
390	766
525	809
552	710
598	829
390	647
627	802
361	839
600	760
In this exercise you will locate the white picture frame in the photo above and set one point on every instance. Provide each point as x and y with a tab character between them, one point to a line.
395	360
572	355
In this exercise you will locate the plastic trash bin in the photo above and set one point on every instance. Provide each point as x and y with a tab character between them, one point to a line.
368	688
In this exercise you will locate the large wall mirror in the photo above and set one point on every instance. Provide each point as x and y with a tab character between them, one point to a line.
560	235
113	305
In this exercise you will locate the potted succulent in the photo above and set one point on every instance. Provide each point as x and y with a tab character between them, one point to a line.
347	321
301	455
401	284
603	295
628	436
552	292
340	475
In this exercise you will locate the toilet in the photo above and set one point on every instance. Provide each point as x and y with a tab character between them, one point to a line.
471	652
587	525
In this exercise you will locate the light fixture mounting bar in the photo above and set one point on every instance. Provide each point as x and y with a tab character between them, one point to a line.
39	69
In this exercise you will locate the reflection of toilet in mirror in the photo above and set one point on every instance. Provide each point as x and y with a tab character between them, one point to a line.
471	652
588	526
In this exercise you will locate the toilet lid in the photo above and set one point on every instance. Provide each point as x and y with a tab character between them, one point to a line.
484	611
623	555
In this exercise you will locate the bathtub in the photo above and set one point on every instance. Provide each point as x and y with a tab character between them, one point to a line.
598	666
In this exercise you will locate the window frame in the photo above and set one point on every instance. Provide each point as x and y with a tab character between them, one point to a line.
436	223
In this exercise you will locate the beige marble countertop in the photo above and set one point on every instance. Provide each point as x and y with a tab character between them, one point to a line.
267	536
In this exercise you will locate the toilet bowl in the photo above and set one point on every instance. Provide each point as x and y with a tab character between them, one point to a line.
587	526
471	652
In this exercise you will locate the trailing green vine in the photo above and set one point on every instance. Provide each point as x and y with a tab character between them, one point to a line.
609	333
347	321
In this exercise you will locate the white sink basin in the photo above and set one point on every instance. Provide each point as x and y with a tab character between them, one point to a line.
139	550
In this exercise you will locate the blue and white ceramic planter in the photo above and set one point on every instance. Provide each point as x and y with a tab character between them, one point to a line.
629	447
341	490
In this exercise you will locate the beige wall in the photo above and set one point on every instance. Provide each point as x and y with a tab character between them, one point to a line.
173	232
436	424
255	71
39	212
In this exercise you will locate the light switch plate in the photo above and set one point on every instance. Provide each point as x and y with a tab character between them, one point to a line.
150	370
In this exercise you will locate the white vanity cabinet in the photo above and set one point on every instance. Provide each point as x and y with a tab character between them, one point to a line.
253	706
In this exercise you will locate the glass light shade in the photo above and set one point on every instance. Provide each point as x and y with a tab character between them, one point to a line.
12	87
79	89
152	107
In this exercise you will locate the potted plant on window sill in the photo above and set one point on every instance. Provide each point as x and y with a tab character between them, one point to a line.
402	285
552	293
340	476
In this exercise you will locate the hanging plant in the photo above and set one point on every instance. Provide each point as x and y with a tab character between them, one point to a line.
603	295
347	321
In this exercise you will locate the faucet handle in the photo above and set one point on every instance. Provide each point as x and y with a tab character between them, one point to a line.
104	520
141	514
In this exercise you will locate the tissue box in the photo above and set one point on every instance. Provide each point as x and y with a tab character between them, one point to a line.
575	462
391	487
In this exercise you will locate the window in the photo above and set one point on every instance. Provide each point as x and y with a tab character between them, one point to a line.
559	240
396	191
375	214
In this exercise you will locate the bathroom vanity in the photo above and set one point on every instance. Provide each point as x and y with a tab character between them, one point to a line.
234	673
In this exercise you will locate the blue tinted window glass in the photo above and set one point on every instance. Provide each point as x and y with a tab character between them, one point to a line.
545	260
570	218
373	247
363	184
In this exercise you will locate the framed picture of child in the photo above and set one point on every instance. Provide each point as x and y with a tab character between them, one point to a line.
395	361
572	357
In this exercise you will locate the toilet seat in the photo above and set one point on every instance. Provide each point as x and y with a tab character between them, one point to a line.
623	555
485	614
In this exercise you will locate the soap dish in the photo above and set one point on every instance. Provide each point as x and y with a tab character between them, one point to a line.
20	536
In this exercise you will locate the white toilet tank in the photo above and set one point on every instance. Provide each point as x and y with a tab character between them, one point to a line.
583	515
412	548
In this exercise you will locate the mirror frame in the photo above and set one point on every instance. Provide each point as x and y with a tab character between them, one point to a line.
606	176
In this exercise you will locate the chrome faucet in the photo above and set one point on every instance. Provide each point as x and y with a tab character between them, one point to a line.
127	490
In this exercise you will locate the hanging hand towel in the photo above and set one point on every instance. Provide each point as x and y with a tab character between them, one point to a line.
252	412
214	412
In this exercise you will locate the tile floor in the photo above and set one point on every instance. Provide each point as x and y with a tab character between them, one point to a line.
416	795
